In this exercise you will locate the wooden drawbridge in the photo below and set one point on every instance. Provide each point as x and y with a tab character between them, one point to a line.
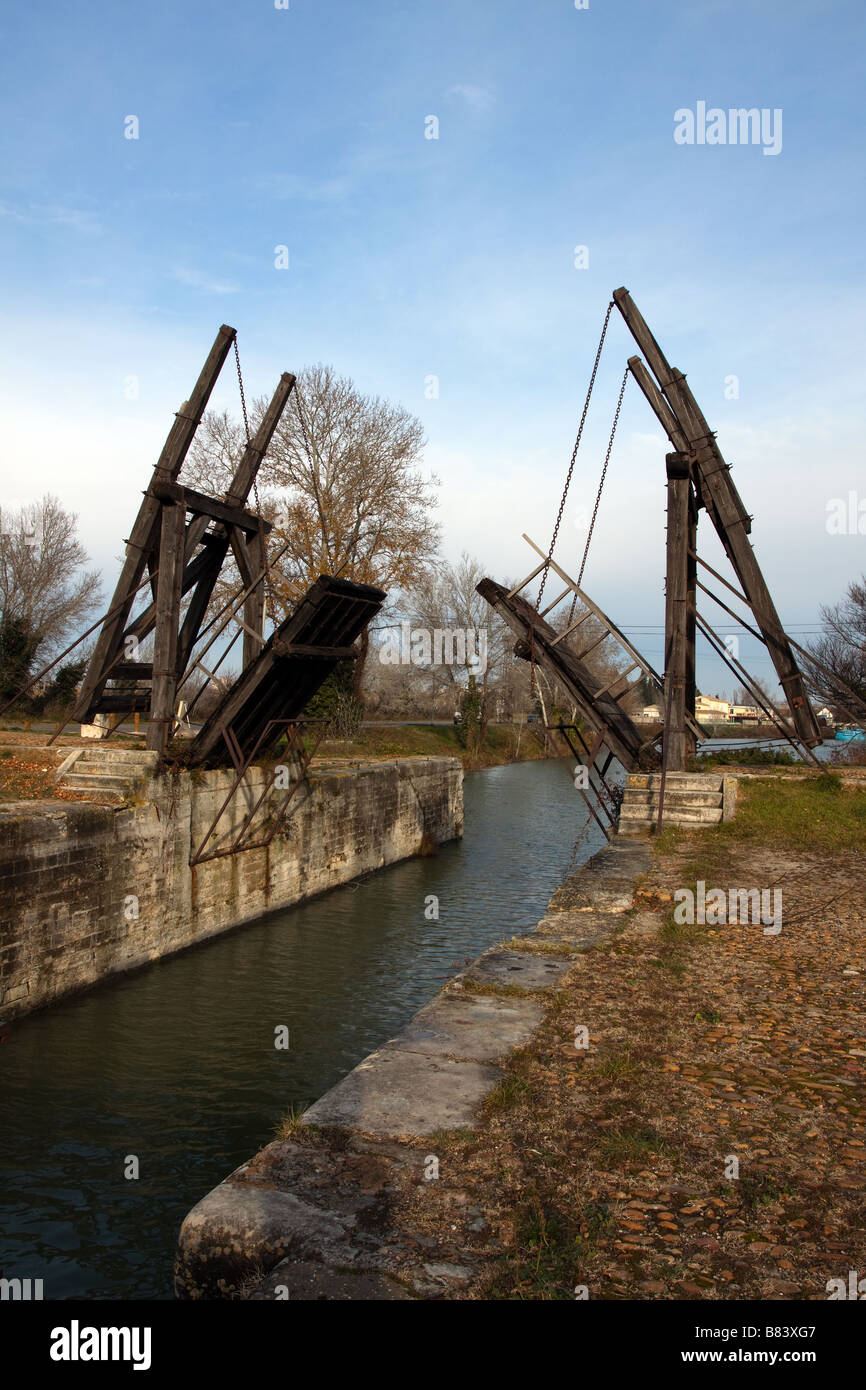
697	478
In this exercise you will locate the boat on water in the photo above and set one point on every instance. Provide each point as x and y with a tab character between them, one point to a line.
852	735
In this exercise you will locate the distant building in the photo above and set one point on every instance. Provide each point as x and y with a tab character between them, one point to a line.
650	714
744	714
712	709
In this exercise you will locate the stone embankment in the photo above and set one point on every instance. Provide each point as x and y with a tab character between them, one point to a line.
88	889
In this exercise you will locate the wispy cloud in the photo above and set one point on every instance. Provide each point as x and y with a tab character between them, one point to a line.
56	214
479	98
304	190
197	280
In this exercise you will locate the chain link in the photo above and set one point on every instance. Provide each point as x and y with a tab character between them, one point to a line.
574	455
564	496
262	544
598	494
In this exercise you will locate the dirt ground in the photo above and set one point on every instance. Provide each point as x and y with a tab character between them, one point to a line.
709	1143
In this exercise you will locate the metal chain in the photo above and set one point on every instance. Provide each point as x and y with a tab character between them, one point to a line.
598	494
264	549
564	496
574	454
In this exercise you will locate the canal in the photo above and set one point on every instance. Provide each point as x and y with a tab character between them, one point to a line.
175	1065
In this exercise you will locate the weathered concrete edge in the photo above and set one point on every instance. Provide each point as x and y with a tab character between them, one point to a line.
248	1231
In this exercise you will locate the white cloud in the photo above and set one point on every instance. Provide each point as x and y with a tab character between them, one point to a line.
197	280
479	98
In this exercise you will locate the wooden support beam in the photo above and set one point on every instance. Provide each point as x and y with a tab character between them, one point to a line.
679	619
660	407
197	606
727	512
145	532
258	445
249	566
165	672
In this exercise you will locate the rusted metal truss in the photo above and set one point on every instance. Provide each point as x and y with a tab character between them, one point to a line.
298	759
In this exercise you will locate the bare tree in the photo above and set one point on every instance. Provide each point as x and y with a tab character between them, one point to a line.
342	485
841	648
45	587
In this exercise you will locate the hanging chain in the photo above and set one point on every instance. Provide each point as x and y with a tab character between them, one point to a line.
598	494
574	454
266	567
564	496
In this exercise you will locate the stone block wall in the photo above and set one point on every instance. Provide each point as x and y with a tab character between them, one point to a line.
89	890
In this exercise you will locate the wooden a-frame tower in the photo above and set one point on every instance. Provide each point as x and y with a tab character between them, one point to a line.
181	539
177	547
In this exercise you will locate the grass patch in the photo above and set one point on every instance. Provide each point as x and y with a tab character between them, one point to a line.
552	1252
503	743
290	1126
632	1142
541	947
510	1091
618	1067
817	813
747	757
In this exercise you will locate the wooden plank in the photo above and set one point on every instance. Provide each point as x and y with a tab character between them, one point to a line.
659	405
258	445
132	671
119	701
165	672
146	529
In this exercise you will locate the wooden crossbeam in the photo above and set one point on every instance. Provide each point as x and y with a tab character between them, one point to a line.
210	507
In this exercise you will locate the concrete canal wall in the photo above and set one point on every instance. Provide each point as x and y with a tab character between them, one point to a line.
89	890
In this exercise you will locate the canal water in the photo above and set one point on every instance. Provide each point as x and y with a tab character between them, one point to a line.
176	1066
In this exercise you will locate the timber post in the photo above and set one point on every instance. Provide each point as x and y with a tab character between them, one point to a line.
679	614
165	643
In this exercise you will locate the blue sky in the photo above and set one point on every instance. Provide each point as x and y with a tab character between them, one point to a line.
410	257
